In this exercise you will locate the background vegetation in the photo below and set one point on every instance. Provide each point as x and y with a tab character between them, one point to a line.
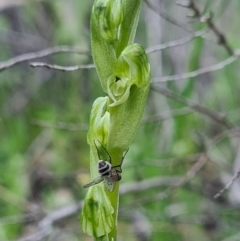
186	149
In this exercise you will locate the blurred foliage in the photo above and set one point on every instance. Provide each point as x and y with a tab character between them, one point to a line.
43	168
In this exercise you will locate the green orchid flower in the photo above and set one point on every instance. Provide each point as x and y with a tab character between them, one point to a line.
132	68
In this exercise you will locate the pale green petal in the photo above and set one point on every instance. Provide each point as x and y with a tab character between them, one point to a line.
139	67
123	98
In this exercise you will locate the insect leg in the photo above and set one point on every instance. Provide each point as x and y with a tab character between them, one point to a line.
110	160
97	150
120	165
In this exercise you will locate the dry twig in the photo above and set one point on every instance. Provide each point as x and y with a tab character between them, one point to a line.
60	125
201	71
203	110
228	186
45	225
149	183
222	40
233	133
39	54
168	18
84	127
182	181
194	106
176	42
61	68
166	115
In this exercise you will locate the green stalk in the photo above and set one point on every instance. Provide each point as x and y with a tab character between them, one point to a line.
124	74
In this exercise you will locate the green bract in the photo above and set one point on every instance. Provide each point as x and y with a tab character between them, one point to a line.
99	122
97	219
131	68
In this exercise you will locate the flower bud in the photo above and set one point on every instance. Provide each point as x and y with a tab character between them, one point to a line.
99	121
108	15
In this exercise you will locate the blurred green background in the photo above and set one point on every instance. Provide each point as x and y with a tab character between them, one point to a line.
44	117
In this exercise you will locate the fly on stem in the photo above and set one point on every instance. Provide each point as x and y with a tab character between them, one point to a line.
108	173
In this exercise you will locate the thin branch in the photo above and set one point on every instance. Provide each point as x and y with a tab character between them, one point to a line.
149	183
213	142
176	42
169	162
61	68
203	110
168	18
182	181
228	133
228	186
166	115
194	170
39	54
45	225
211	114
84	127
60	125
191	5
222	40
201	71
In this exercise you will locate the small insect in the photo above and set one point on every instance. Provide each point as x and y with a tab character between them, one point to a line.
108	173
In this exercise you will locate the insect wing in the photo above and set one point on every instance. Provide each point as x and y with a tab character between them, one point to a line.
94	182
109	183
